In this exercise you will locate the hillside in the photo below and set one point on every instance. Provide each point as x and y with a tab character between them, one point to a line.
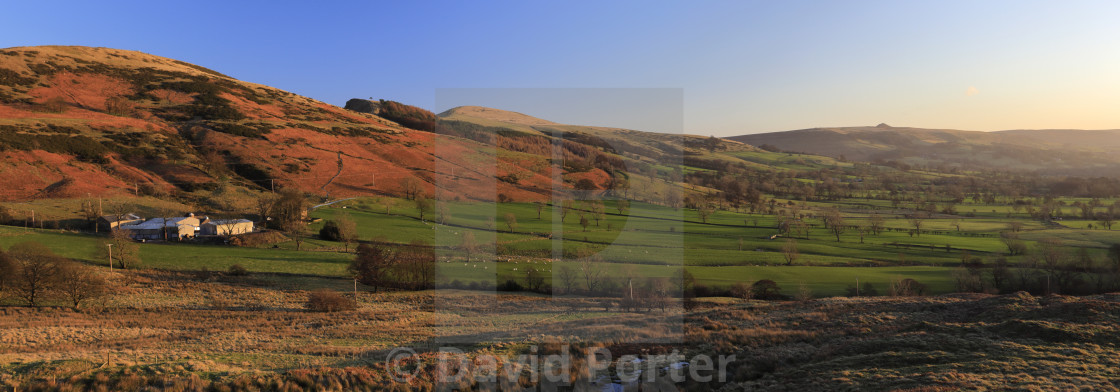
634	146
80	121
1047	151
77	121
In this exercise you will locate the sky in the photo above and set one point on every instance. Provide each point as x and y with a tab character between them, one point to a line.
737	67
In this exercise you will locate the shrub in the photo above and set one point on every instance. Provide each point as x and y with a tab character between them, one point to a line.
702	290
238	270
906	287
866	290
82	147
740	290
12	78
766	289
510	285
329	301
330	231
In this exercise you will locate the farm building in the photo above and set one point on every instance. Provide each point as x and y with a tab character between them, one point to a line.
111	222
164	228
226	227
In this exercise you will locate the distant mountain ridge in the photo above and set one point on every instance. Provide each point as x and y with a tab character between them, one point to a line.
1048	151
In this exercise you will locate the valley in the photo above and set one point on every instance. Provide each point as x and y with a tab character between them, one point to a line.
856	257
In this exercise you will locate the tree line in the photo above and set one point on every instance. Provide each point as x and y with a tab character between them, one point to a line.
33	274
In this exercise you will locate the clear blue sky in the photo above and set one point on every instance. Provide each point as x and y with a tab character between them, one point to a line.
743	66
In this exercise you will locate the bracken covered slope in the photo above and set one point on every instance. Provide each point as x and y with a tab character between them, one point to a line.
79	120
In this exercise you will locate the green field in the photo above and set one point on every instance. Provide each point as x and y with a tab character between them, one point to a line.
729	247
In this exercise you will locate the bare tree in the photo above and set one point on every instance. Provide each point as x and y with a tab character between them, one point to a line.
592	270
1015	246
740	290
511	221
657	290
533	279
566	207
288	213
1015	226
999	274
916	221
540	207
836	223
968	279
804	293
790	252
683	282
347	230
416	266
1108	217
91	212
373	265
411	187
444	213
598	212
422	204
704	210
126	252
8	271
55	104
120	210
468	244
264	209
673	199
1055	262
80	283
623	205
297	231
567	277
36	270
876	224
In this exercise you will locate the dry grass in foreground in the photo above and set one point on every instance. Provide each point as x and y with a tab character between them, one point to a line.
178	331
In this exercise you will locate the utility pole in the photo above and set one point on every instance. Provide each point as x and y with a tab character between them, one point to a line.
110	257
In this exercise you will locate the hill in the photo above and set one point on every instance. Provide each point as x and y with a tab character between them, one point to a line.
496	115
1046	151
81	121
76	121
